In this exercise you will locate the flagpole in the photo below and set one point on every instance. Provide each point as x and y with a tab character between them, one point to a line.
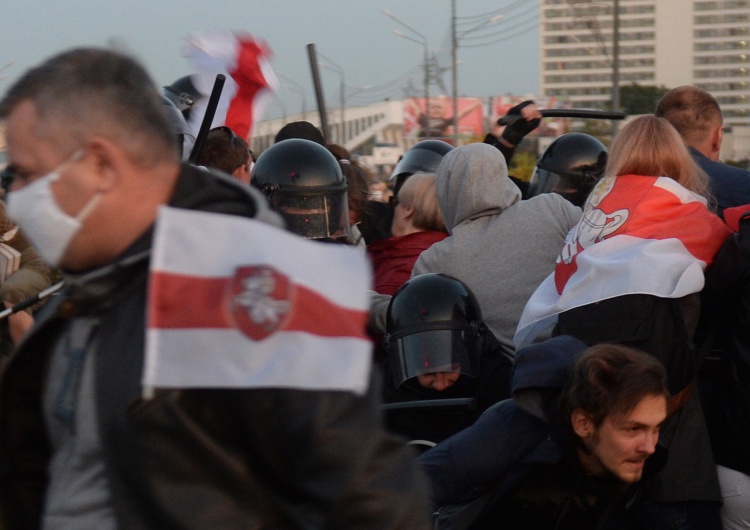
208	118
318	91
41	295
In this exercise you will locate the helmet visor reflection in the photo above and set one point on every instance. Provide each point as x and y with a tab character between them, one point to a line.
315	216
443	350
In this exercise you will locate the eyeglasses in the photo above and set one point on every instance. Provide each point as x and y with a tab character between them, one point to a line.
233	138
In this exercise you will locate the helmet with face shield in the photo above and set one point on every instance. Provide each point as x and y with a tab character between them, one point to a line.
303	182
434	325
570	166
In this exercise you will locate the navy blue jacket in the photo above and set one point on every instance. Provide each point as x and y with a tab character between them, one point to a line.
729	185
511	436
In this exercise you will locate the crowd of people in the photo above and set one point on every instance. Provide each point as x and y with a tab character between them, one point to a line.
568	354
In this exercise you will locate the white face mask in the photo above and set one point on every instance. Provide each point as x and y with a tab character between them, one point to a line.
48	228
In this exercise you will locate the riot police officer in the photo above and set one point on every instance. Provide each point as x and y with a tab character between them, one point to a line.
302	181
570	167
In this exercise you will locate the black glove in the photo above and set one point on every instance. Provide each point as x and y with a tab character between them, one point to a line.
515	131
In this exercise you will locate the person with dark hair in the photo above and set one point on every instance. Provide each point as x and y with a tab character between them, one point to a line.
697	117
567	451
631	272
227	152
300	129
357	190
86	442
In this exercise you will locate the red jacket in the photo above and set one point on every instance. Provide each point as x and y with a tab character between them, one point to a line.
393	258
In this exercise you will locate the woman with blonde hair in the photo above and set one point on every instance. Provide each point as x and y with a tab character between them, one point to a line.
652	146
417	224
631	272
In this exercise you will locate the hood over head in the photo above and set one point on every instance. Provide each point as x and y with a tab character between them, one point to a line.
540	373
472	181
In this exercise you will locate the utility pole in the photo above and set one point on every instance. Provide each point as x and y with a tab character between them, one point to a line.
454	72
615	62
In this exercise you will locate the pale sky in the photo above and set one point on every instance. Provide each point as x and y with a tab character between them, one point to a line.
351	35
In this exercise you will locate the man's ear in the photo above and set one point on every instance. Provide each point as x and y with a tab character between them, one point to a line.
717	135
108	160
582	423
408	211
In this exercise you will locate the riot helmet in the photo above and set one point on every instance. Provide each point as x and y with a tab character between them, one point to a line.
422	157
184	140
570	166
433	325
183	94
302	181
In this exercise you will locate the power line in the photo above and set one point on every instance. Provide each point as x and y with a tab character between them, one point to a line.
501	27
509	36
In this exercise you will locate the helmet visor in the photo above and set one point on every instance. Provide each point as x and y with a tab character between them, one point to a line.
433	351
320	216
574	189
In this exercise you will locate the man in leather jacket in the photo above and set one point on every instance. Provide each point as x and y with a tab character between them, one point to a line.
93	160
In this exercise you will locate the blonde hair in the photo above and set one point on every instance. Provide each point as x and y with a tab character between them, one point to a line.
419	192
650	146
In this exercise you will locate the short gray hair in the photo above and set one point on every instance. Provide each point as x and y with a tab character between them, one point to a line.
91	91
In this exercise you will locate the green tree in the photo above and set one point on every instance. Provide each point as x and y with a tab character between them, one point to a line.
522	165
638	99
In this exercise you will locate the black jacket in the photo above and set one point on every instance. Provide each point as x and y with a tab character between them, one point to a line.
202	458
726	316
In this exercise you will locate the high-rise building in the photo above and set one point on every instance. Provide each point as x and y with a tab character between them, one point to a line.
661	43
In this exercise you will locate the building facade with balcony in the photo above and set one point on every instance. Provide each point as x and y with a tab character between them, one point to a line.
661	43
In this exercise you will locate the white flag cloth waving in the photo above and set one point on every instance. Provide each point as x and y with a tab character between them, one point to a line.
236	303
250	82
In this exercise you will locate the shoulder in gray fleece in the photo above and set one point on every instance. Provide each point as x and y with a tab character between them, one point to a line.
500	246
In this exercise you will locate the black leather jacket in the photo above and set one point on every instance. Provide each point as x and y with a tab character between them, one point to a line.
202	458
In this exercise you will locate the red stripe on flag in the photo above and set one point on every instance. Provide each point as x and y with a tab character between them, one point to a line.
648	212
250	80
189	302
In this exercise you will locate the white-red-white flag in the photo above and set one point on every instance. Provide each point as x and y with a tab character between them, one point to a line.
638	235
236	303
250	82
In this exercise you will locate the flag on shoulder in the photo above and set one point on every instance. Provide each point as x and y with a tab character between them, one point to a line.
250	83
234	302
637	235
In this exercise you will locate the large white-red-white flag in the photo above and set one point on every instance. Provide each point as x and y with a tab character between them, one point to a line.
234	302
250	82
638	235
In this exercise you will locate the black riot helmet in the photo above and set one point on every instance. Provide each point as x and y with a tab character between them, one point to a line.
183	94
433	324
570	166
303	182
422	157
184	140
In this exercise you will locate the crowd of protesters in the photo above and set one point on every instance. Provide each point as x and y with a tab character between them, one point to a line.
555	363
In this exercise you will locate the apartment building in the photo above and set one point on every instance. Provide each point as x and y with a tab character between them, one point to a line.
661	43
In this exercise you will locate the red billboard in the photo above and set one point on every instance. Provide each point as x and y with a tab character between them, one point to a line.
435	120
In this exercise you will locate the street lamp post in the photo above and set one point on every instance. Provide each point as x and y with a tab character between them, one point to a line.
454	61
423	41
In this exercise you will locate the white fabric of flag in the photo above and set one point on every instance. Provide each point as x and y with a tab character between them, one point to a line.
237	303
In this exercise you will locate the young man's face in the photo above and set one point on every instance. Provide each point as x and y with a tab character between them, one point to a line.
623	442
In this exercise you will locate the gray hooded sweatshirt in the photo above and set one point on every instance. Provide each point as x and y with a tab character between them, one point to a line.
500	246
